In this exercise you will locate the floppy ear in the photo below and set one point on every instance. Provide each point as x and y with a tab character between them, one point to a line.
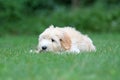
65	41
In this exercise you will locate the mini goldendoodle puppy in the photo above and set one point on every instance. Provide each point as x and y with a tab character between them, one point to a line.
66	39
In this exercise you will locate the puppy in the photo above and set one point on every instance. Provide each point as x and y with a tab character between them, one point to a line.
65	39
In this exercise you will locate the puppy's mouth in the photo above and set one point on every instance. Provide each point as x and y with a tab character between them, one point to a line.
42	50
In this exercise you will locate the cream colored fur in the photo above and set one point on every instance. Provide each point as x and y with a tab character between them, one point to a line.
65	39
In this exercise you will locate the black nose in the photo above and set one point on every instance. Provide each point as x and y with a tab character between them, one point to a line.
44	47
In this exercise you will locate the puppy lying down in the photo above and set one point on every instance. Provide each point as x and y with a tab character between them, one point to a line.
65	39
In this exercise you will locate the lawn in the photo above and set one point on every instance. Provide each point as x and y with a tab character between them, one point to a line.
16	63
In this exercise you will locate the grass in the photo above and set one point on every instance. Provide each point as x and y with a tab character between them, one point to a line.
16	63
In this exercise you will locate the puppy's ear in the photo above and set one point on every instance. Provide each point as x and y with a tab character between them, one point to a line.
65	41
51	26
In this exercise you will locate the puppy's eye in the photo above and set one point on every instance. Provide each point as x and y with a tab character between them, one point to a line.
52	40
60	39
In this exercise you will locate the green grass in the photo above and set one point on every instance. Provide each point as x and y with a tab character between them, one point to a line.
16	63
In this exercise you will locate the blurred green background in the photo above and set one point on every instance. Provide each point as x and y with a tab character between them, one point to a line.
21	21
18	17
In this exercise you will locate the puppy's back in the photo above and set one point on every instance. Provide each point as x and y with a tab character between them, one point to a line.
79	38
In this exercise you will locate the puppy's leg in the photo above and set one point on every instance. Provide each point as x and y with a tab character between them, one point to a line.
35	51
38	50
74	49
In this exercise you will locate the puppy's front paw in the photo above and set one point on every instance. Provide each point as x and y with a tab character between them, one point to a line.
31	51
75	50
37	51
34	51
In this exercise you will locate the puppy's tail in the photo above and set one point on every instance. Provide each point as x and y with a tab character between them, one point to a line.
90	44
92	47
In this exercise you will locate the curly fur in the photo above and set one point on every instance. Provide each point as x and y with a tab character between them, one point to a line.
67	39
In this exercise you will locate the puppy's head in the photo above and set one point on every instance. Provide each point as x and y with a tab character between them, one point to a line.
54	39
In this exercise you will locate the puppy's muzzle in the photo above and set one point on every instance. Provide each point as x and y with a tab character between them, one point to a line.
44	47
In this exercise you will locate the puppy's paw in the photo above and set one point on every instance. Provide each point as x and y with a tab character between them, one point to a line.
34	51
31	51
